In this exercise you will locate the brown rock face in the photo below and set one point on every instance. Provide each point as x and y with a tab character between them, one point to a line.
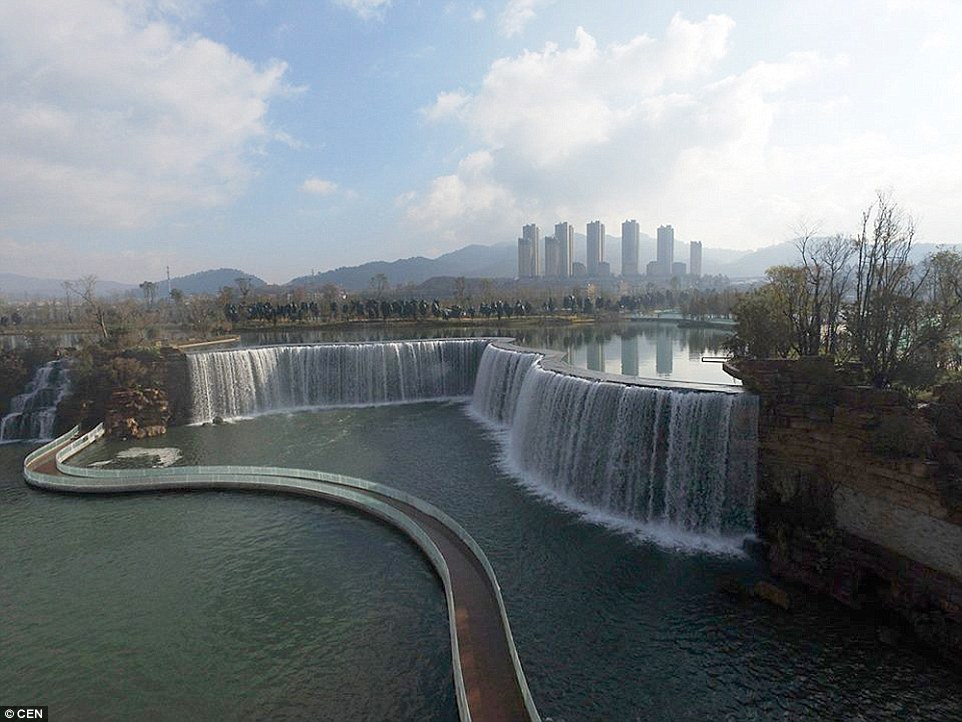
860	493
136	413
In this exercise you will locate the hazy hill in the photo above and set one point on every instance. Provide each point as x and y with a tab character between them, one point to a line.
208	282
754	263
497	261
22	288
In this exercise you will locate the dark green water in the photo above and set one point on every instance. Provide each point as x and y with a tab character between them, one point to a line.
235	606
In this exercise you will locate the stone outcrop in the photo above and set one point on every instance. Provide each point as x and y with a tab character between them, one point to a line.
859	491
136	413
148	372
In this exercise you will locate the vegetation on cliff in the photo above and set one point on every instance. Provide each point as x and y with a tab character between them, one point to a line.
862	299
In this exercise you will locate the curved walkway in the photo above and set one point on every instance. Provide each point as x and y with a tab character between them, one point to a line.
488	678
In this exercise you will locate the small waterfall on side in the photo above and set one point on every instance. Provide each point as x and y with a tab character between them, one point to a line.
682	459
249	381
33	413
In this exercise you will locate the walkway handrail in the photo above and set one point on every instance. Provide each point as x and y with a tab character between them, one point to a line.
351	490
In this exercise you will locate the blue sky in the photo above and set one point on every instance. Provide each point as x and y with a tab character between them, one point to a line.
281	137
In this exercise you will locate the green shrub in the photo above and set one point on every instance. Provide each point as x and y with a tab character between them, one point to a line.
903	435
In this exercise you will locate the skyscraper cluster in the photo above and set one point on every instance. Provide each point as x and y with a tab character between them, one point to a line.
559	253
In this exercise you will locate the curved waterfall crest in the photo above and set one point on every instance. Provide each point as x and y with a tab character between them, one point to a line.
676	456
682	458
251	381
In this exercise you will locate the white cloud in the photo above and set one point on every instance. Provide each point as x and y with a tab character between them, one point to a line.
649	129
318	186
366	9
468	197
936	40
447	105
478	15
518	13
111	116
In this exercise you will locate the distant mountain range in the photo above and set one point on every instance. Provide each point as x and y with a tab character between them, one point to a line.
15	287
499	261
22	288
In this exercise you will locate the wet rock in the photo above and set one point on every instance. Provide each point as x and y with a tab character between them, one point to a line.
772	594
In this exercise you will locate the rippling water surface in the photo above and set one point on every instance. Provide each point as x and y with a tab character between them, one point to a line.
250	606
218	606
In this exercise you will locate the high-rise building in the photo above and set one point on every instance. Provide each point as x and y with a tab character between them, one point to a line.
564	234
666	249
629	248
552	260
524	258
694	262
528	251
596	246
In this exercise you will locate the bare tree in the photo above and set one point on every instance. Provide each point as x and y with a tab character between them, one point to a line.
86	289
884	314
149	289
380	284
66	295
827	276
244	286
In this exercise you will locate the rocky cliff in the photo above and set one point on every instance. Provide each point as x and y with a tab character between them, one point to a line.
859	493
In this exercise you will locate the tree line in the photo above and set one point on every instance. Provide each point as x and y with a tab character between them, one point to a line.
862	298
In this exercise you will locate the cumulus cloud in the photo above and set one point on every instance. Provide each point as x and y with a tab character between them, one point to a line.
470	196
366	9
651	129
318	186
517	14
111	115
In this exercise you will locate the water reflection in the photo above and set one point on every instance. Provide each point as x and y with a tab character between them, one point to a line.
629	355
643	349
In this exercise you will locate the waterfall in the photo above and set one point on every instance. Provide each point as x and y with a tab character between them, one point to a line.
249	381
32	413
501	374
683	459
